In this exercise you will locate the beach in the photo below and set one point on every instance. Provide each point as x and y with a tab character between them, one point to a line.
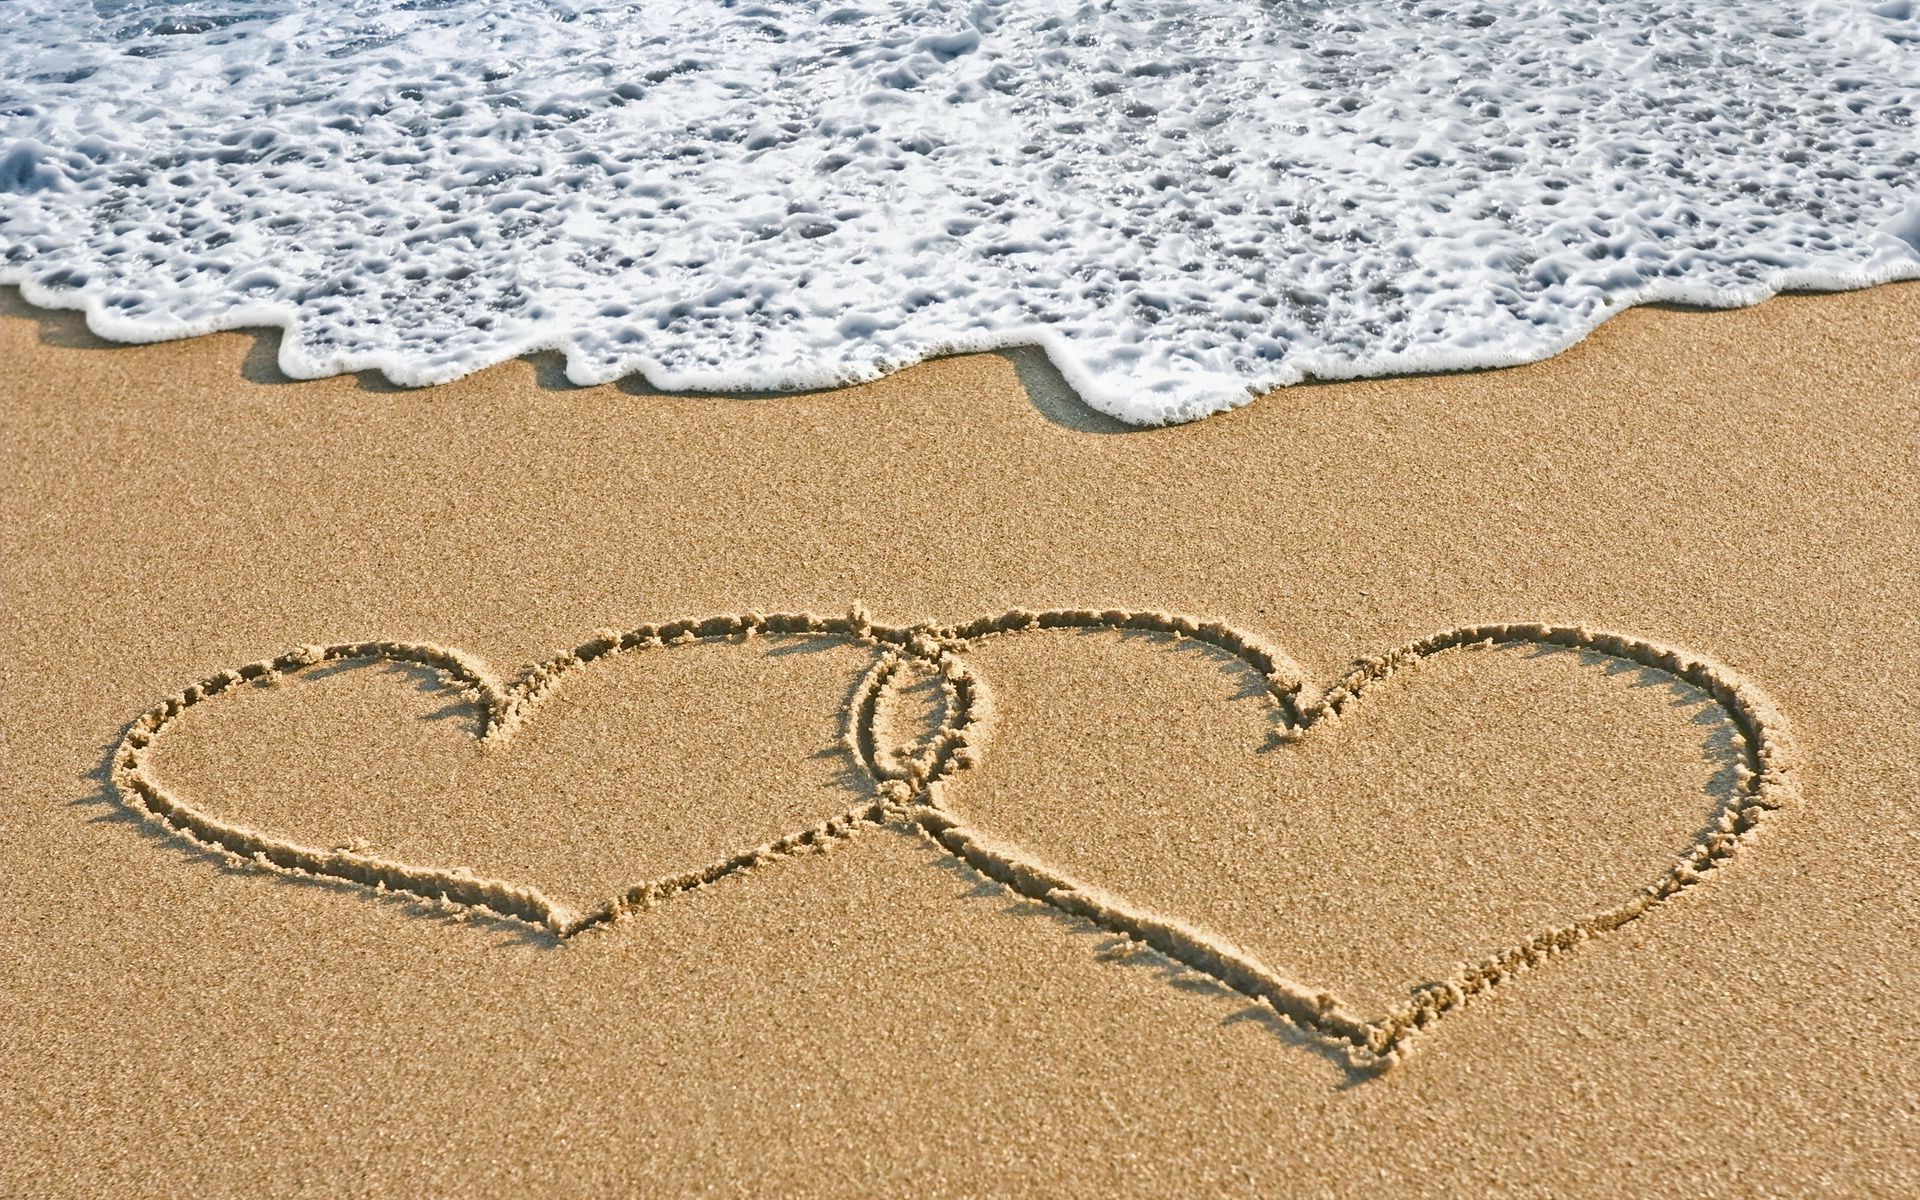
867	1009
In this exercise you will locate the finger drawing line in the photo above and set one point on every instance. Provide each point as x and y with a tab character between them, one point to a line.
910	783
1763	783
504	708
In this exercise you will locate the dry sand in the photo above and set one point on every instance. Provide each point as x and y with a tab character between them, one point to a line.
871	1015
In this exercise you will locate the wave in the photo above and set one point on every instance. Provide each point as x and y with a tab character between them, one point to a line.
1185	204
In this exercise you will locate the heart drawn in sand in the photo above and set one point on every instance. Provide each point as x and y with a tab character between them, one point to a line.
909	785
505	708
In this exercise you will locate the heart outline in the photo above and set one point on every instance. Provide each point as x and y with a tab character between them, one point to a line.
1764	782
910	784
506	706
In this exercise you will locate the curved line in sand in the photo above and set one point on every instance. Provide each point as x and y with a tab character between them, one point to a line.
1764	783
504	708
910	781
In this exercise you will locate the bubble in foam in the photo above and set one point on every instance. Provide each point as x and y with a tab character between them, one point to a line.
1185	203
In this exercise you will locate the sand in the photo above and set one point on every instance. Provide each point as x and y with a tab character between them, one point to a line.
881	996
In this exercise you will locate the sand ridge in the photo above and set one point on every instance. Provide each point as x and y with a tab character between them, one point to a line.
909	786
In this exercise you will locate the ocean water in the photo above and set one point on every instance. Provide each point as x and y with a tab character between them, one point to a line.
1185	202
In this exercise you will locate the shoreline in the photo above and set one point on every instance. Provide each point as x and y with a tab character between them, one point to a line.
647	376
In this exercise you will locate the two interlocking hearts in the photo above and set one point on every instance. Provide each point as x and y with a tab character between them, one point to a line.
909	785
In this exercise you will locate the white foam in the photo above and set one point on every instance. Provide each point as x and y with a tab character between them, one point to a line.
1184	203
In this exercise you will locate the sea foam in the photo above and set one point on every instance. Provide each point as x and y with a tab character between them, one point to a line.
1185	203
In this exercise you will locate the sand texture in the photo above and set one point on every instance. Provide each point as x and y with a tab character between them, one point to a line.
1496	783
